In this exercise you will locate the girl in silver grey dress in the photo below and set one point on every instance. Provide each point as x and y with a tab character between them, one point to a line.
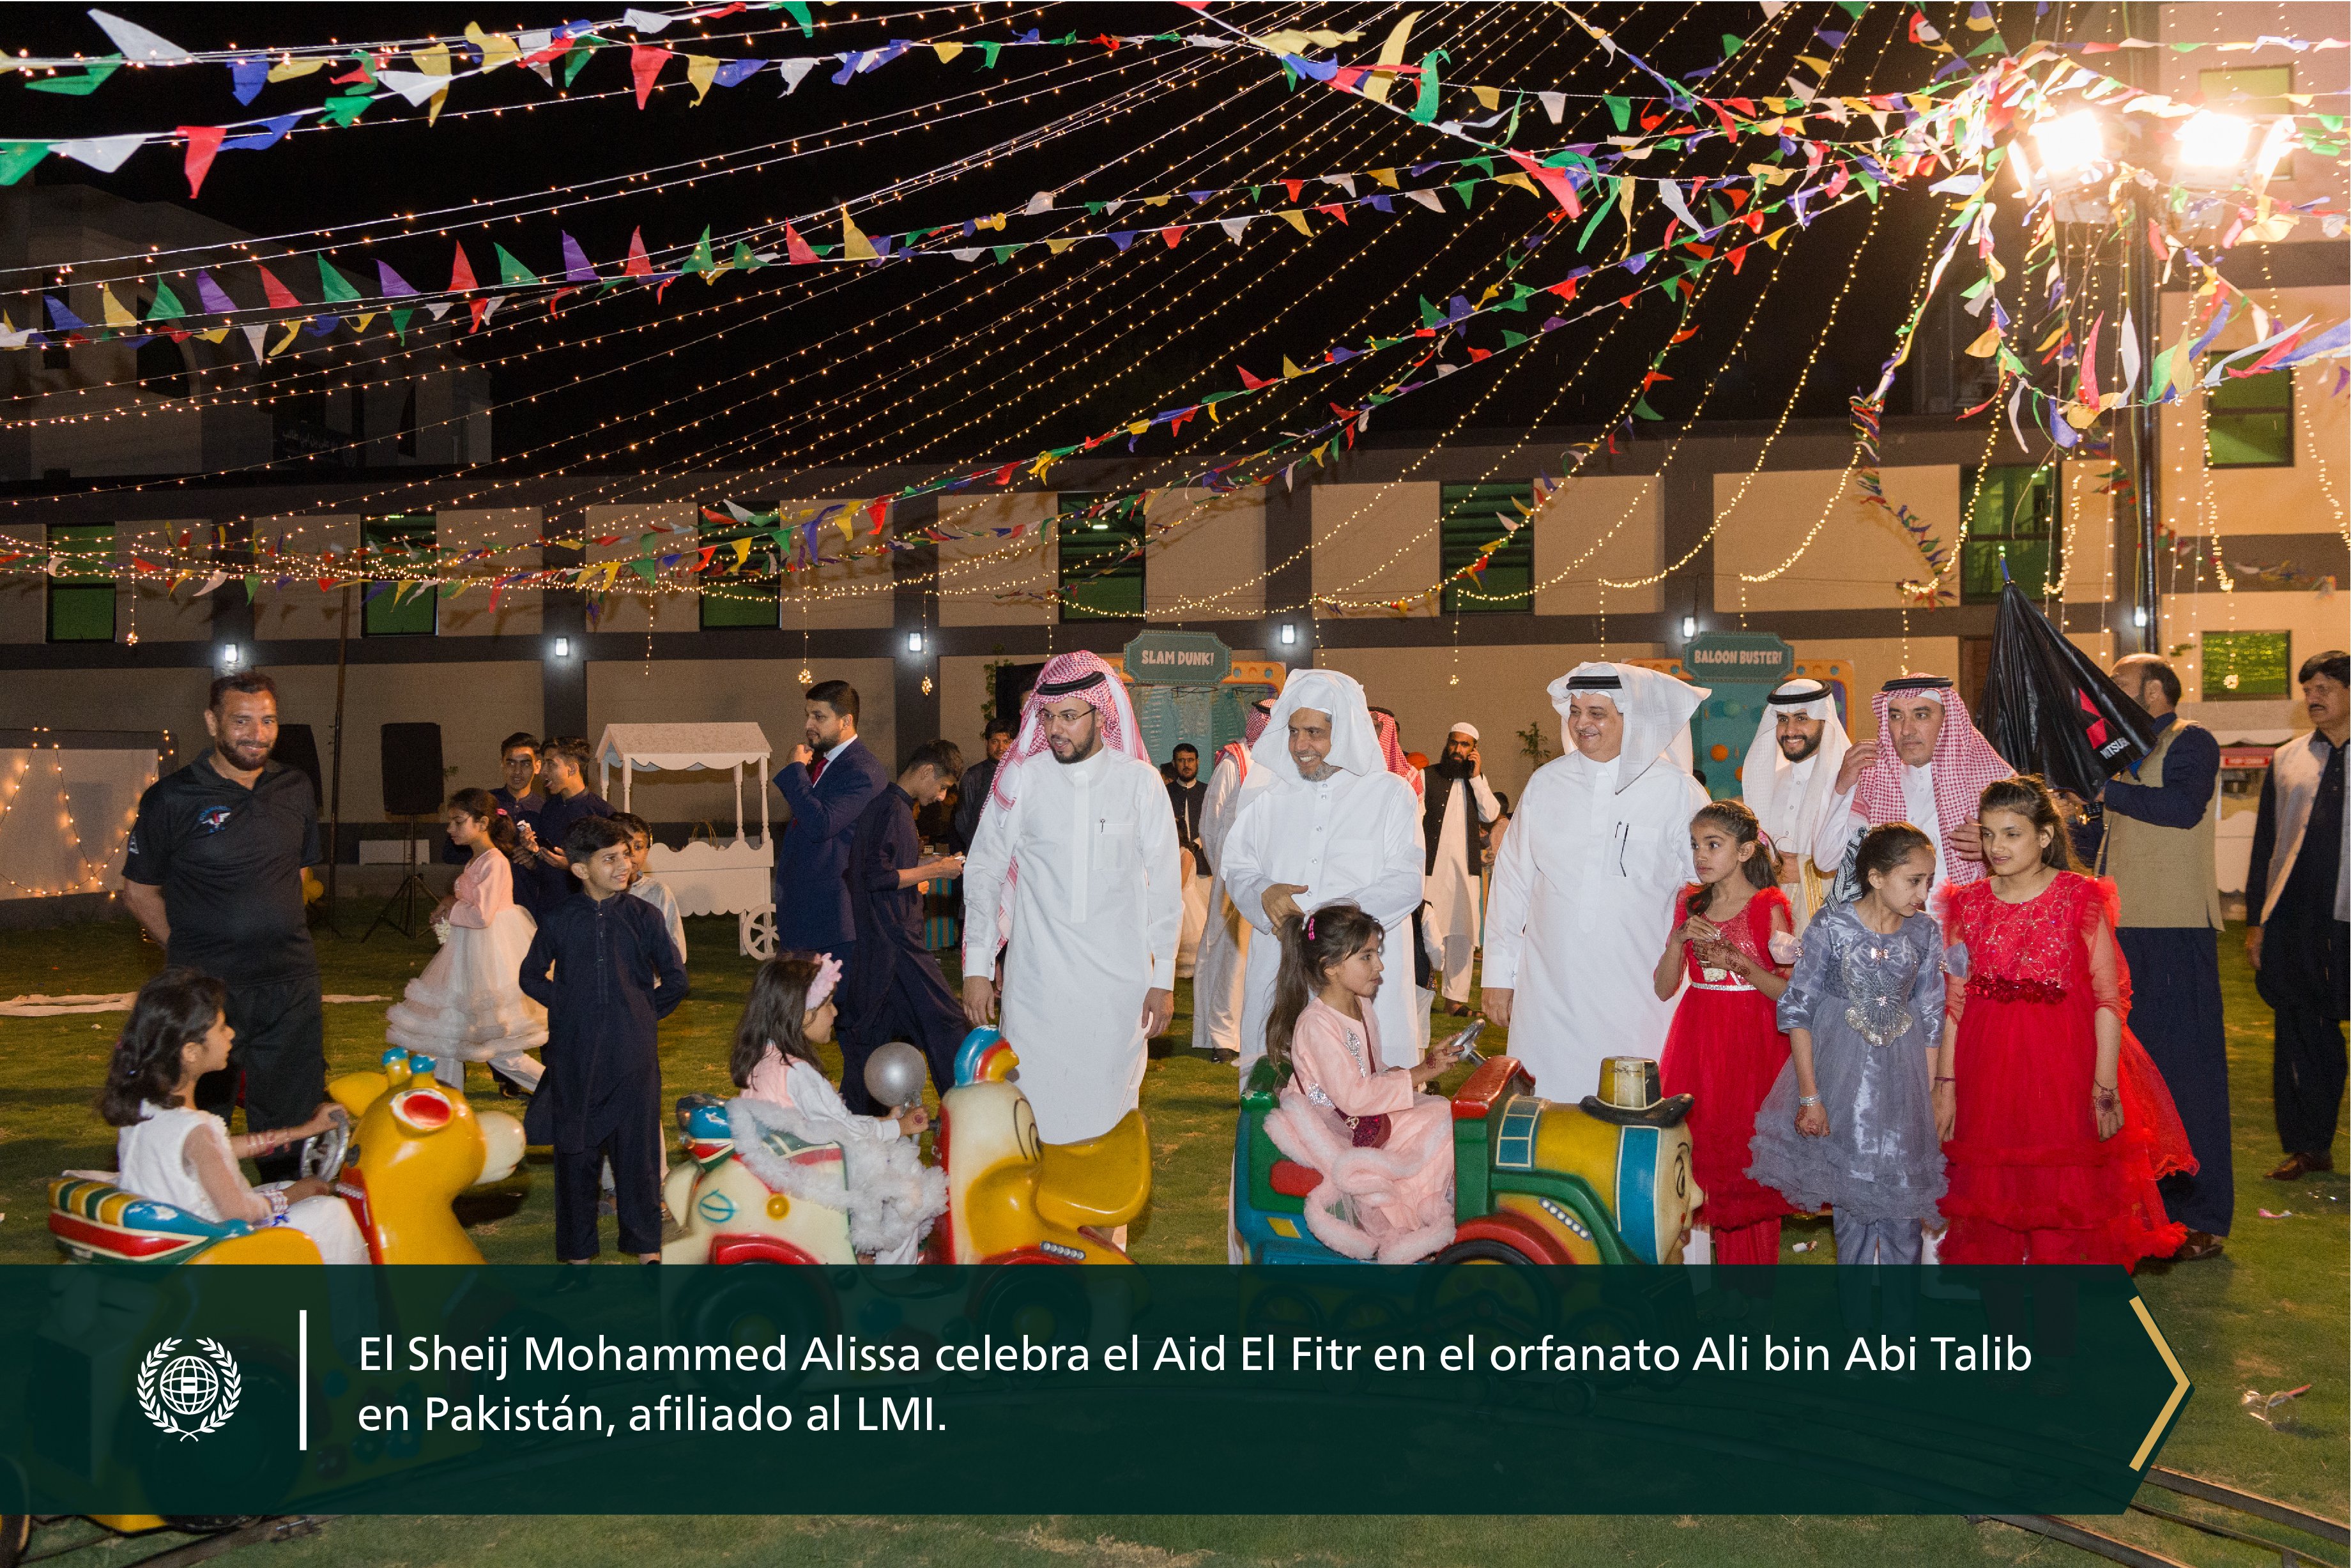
1850	1124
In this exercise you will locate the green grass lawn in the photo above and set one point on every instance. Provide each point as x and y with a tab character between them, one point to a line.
2269	1315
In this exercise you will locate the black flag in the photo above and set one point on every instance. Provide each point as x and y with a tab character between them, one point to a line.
2048	709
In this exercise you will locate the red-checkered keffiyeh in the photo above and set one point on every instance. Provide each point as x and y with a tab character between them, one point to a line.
1391	748
1107	696
1120	736
1963	767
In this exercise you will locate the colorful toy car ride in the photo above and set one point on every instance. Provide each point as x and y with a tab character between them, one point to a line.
1534	1180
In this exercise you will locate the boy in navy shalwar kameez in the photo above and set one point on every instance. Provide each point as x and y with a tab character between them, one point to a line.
600	1097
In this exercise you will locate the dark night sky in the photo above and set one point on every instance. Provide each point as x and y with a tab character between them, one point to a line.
939	359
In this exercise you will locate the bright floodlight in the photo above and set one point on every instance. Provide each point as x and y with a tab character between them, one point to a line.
2071	143
2210	140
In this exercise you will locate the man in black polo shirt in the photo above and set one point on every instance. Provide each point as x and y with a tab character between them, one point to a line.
214	875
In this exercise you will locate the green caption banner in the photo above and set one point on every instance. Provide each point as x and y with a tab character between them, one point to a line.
221	1391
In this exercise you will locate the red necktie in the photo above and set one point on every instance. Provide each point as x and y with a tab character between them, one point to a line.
816	766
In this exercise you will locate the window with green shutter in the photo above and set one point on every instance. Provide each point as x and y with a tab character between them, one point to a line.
1101	539
396	544
2248	422
732	596
81	601
1474	522
2245	666
2012	522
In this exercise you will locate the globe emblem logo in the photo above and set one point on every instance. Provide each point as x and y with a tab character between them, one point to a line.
192	1394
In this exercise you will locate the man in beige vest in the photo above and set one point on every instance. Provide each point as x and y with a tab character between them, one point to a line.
2161	819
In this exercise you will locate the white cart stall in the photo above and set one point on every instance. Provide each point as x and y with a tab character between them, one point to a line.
708	876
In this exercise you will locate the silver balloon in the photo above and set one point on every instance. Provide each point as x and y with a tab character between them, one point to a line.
894	1074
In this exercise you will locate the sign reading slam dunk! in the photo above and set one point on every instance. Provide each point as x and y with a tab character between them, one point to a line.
1031	1389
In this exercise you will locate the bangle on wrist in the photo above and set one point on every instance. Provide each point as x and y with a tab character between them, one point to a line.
1945	1078
1808	1099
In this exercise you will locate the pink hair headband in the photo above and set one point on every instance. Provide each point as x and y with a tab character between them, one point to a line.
828	975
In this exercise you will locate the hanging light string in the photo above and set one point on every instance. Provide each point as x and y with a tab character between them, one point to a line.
1317	435
609	371
164	54
1630	150
1137	97
346	502
416	87
947	567
92	875
1620	419
483	212
563	542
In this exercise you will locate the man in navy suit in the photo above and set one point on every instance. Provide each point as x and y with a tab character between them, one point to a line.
828	784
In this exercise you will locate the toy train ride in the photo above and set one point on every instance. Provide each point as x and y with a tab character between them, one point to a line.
1534	1181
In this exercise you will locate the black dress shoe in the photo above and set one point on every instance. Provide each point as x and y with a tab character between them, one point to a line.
2294	1167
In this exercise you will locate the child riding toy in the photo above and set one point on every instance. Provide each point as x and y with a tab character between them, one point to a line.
418	1146
1011	1198
1535	1180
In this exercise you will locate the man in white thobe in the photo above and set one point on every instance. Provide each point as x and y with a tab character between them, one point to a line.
1456	802
1217	970
1584	889
1321	821
1788	781
1929	768
1077	842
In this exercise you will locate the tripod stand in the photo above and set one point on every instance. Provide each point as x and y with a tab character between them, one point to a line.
412	888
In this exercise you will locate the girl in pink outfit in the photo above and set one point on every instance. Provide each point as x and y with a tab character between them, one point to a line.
1384	1150
892	1197
467	1005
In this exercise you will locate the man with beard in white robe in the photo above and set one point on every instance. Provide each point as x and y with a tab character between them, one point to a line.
1457	802
1584	889
1077	843
1321	821
1217	969
1789	780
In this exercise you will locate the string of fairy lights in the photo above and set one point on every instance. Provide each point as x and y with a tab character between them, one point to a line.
485	211
93	874
1622	416
609	370
1219	272
1133	97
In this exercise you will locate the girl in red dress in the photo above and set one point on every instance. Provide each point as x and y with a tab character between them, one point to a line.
2056	1124
1725	1046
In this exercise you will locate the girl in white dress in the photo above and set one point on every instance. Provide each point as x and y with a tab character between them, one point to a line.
467	1005
169	1152
892	1197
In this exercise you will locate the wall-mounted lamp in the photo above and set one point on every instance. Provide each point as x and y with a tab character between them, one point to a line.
1689	627
563	647
1289	633
914	641
228	656
2138	615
